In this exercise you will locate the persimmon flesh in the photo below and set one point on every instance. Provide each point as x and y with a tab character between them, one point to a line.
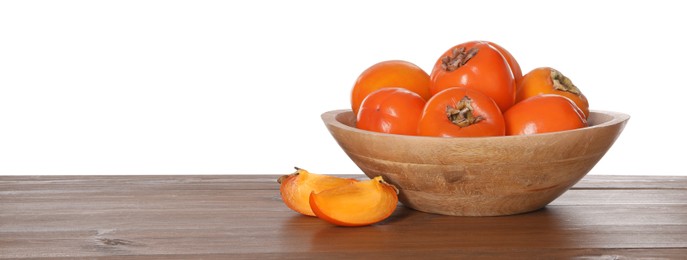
295	188
356	204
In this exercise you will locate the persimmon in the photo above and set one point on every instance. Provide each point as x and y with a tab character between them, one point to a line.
391	110
476	65
461	112
543	114
295	188
546	80
391	73
356	204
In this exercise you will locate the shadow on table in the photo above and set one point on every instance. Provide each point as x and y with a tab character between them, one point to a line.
414	231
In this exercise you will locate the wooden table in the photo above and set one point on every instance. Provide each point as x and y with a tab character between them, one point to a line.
235	216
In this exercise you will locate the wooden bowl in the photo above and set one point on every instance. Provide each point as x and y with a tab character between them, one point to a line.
478	176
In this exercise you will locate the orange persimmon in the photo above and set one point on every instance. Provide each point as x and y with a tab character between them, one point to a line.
547	80
295	188
356	204
475	65
543	114
391	110
391	73
461	112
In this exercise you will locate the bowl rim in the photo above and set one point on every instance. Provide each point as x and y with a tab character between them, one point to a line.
329	118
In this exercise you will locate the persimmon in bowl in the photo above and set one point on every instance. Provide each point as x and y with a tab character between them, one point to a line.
478	176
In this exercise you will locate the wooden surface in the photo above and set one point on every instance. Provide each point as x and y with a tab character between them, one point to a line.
234	217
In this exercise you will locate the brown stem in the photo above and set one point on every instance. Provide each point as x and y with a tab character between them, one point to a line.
458	58
283	177
462	113
563	83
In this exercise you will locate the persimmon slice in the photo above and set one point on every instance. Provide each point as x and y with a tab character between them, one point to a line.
295	188
356	204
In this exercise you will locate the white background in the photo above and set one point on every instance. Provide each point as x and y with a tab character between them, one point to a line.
237	87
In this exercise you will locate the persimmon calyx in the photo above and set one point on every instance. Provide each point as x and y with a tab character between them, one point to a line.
283	177
563	83
462	113
458	58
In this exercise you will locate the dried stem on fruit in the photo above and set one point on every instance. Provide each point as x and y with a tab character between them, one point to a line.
458	58
462	113
283	177
563	83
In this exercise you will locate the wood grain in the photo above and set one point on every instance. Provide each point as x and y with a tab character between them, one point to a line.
242	217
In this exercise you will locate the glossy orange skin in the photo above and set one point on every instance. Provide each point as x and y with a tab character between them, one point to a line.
543	114
295	188
487	72
538	81
358	204
392	73
434	121
512	63
391	110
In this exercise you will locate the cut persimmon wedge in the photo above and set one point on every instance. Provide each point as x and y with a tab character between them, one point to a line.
295	188
356	204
